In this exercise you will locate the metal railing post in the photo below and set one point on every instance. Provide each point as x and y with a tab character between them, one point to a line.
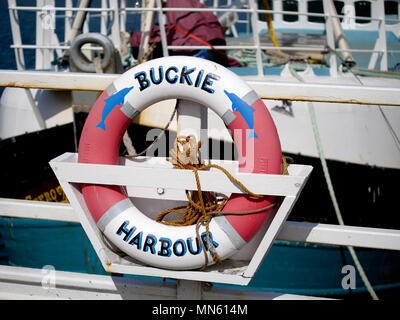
382	35
115	28
330	38
254	18
68	20
162	21
16	34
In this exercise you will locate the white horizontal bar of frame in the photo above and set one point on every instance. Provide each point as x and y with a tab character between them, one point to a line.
266	89
20	283
291	231
149	172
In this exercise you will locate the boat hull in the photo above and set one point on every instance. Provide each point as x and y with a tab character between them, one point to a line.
289	267
366	197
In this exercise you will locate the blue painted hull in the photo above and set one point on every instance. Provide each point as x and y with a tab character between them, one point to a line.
314	269
289	267
36	243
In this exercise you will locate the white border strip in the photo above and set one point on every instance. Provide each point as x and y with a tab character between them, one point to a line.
20	283
291	231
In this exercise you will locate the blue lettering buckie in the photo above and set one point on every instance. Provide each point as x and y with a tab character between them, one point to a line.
115	100
173	75
160	75
199	78
207	83
185	75
141	77
167	75
246	111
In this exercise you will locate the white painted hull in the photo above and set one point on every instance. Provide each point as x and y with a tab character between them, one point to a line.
349	132
17	116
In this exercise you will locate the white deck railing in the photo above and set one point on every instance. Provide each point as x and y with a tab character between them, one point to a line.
113	19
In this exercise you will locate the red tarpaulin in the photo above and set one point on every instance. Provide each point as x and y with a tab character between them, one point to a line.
190	29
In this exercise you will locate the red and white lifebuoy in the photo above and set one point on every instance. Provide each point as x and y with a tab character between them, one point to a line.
243	112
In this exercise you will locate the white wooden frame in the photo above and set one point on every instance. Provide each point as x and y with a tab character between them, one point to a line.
20	283
240	268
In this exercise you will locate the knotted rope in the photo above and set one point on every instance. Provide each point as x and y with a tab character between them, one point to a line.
202	206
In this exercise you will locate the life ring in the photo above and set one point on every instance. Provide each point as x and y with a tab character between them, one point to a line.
243	112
